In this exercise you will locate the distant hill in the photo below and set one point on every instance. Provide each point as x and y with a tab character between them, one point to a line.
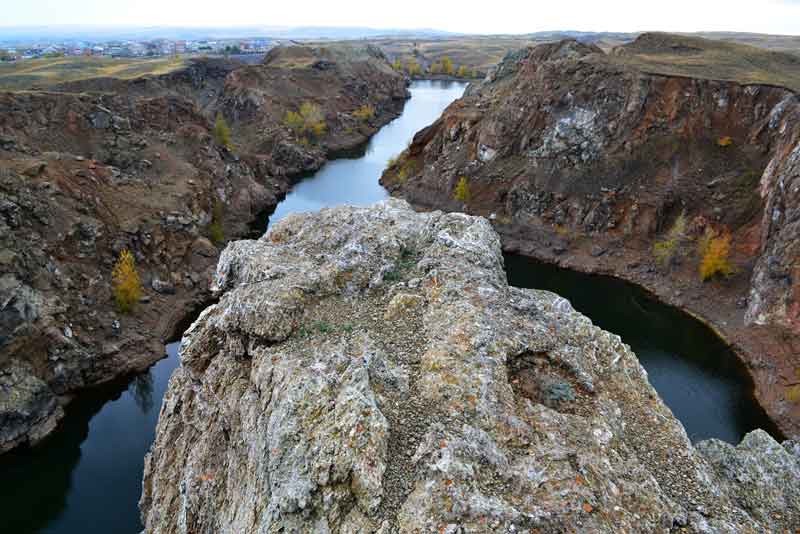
33	34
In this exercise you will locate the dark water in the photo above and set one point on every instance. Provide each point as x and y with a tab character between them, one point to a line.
695	373
355	181
87	477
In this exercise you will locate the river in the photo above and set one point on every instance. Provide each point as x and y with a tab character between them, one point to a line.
87	476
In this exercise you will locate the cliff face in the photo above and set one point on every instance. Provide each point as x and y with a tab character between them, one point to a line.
585	159
370	370
133	165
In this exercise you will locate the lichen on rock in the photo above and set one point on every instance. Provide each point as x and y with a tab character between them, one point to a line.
321	395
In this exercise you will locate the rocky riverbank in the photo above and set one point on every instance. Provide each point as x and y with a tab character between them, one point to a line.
370	370
586	159
95	167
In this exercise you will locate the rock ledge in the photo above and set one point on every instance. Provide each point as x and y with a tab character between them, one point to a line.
370	370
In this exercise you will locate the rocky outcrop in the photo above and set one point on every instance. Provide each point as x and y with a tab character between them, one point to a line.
370	370
85	175
586	159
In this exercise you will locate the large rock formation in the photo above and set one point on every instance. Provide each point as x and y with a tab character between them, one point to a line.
99	166
370	370
585	159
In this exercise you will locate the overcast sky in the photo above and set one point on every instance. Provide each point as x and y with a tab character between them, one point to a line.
495	16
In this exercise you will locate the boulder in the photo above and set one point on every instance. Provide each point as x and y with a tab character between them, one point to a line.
28	408
371	370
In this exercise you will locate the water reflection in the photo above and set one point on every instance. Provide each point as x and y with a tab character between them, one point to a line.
87	476
142	391
355	181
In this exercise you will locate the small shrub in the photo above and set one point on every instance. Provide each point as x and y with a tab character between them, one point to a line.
665	249
793	390
714	251
126	282
725	141
309	120
447	65
413	68
365	113
462	192
392	276
215	229
323	327
397	65
222	133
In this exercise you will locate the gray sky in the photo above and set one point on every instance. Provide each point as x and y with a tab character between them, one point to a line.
495	16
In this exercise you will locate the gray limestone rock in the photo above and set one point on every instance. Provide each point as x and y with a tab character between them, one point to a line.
321	394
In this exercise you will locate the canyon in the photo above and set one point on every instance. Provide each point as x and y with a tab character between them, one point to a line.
373	368
585	159
91	168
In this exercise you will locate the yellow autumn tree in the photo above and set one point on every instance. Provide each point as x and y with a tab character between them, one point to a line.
664	249
413	68
308	120
222	134
462	71
365	113
127	285
462	192
447	65
714	251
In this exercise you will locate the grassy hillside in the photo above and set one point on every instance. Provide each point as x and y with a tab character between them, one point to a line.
43	72
484	51
691	56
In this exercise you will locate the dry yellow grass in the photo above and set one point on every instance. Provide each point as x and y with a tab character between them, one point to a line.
681	55
44	72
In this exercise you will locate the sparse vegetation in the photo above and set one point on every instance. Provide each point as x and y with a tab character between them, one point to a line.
308	121
793	389
323	327
714	251
462	192
413	68
447	65
724	141
222	133
17	75
215	229
126	282
365	113
406	261
664	250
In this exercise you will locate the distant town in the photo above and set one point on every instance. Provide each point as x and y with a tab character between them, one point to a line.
136	49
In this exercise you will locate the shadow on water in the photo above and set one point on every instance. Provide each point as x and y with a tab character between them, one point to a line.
695	372
87	477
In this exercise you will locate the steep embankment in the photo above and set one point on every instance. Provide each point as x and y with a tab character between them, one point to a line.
85	175
586	159
370	370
